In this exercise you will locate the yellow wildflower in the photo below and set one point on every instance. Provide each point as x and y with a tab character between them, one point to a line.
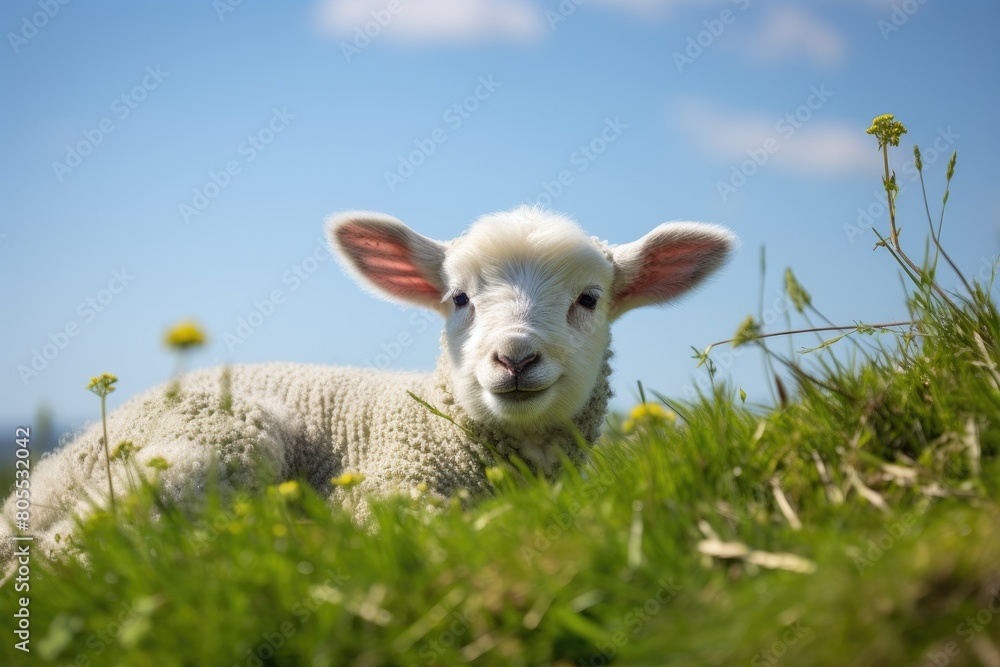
185	335
648	413
887	130
349	479
102	385
495	474
289	489
158	463
124	450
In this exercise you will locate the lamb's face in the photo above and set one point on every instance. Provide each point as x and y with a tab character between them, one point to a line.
527	298
527	321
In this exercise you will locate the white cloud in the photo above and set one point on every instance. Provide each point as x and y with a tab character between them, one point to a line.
659	7
789	32
780	30
785	31
655	8
806	143
439	21
879	4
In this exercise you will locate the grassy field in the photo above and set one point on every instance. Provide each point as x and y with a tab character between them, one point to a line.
855	523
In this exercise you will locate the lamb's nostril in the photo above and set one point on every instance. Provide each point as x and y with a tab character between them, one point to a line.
524	362
515	367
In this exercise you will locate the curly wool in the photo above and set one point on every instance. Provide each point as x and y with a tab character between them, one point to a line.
288	421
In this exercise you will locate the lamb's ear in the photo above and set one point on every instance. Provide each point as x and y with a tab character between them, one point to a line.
666	263
390	258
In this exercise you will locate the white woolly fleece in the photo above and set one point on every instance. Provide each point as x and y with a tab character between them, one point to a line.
527	300
287	421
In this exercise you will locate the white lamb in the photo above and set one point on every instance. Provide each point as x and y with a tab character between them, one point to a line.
527	298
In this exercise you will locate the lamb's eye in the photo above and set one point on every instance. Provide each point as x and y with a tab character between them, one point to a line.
587	300
461	299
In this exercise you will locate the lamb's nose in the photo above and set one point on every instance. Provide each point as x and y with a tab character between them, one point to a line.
515	367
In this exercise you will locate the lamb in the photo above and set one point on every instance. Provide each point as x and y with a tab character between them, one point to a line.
527	300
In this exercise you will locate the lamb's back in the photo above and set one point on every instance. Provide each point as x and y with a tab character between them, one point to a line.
248	425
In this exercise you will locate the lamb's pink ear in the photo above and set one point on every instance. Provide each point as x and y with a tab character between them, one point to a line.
390	258
666	263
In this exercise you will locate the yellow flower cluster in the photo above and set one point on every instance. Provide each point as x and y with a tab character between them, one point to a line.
289	489
495	475
887	130
349	479
648	414
157	463
124	450
185	335
102	385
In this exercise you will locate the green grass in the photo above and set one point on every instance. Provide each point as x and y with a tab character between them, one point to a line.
604	565
855	524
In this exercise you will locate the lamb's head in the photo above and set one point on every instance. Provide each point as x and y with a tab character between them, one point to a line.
527	297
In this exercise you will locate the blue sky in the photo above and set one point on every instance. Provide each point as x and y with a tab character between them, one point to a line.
165	161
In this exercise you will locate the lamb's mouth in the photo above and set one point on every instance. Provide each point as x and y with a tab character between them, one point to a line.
517	394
